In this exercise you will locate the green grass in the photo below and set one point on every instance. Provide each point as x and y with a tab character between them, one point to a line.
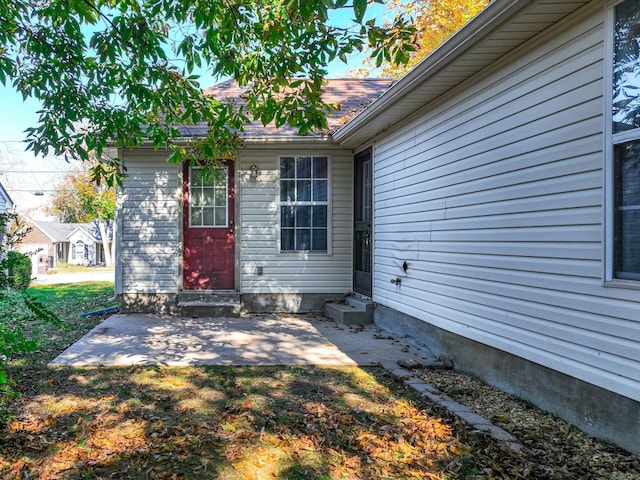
71	268
68	301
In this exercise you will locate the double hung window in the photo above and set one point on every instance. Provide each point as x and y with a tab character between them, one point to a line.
625	141
304	203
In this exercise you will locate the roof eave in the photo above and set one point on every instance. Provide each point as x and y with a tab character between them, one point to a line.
492	16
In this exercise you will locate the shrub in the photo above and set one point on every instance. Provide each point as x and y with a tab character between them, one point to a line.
16	307
19	270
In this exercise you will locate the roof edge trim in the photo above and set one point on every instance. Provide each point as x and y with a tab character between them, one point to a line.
493	15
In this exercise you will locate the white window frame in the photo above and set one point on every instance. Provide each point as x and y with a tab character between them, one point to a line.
610	141
328	204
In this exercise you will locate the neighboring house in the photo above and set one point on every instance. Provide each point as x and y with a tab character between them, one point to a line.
52	243
6	206
487	203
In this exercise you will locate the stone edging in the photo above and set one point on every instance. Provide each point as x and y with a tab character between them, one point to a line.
476	421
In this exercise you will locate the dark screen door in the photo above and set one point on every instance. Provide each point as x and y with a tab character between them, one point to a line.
363	197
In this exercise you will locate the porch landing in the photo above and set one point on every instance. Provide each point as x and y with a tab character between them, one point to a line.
138	339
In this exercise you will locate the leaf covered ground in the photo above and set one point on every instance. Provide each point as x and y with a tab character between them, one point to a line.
267	422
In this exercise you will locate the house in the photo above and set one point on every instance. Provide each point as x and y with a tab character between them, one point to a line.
486	202
51	243
276	228
6	206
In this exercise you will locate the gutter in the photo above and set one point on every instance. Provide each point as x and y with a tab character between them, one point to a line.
261	140
494	14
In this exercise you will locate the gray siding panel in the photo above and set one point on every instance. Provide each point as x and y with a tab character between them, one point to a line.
150	231
493	196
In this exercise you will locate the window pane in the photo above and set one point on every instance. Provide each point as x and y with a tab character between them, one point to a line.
196	179
320	167
320	190
287	239
303	169
207	217
303	239
207	197
196	216
627	210
288	190
220	196
626	67
220	216
304	190
320	216
287	167
287	217
320	240
303	216
219	178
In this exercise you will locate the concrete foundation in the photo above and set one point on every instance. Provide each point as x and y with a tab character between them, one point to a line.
167	304
158	303
594	410
287	302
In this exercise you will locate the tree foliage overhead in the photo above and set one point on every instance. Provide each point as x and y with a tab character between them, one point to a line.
435	21
125	70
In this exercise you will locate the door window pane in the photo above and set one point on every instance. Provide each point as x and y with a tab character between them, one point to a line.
207	216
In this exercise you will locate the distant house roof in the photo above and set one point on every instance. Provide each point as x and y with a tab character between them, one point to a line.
56	231
351	94
91	229
60	232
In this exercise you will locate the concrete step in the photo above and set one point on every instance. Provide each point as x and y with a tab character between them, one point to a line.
361	303
200	303
355	311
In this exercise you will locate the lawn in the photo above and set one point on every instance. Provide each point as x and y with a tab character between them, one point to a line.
238	422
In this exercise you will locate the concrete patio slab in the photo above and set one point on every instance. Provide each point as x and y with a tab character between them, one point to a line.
136	339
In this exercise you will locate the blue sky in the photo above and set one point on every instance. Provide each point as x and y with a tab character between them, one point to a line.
17	115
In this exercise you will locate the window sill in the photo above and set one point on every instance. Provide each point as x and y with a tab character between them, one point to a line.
619	283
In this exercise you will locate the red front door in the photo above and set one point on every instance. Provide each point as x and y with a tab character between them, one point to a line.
209	229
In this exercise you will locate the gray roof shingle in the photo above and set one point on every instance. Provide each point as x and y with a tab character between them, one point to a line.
351	94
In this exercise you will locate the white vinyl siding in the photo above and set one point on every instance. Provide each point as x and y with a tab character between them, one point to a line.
494	198
292	272
150	230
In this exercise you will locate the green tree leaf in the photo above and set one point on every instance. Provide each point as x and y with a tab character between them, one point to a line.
123	73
